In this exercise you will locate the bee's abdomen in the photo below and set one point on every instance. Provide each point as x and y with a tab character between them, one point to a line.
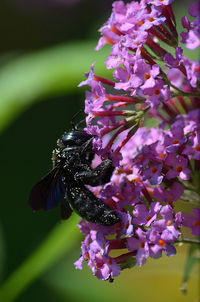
89	207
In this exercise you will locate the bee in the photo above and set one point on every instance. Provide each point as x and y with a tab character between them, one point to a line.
65	184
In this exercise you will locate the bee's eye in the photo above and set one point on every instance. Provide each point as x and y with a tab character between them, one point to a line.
68	141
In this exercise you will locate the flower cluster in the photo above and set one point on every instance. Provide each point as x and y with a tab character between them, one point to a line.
155	167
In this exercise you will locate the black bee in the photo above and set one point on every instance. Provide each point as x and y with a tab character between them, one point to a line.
65	184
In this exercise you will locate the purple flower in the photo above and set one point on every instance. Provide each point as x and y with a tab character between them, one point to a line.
171	195
125	78
104	267
193	150
95	99
152	165
117	56
193	222
140	245
179	167
84	252
192	70
163	234
99	243
167	226
158	93
159	243
134	41
192	37
145	216
153	174
126	226
175	137
174	63
90	77
158	2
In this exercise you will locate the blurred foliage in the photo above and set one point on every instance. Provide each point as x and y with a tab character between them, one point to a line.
193	259
50	72
38	97
54	246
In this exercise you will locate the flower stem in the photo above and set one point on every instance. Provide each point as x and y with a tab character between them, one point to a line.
182	93
188	240
123	257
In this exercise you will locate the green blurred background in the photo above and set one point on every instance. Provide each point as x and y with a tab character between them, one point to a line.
46	46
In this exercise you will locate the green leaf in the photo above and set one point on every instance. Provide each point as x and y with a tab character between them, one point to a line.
59	242
192	259
52	71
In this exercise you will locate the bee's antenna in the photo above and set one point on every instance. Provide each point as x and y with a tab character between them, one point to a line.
79	123
75	126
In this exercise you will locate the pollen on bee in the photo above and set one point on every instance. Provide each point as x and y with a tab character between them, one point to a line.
54	157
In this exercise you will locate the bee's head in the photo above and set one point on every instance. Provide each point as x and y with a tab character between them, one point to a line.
74	138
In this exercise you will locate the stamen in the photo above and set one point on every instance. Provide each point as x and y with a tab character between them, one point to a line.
87	256
148	218
169	197
99	264
196	223
140	23
147	76
179	169
156	91
161	242
154	170
162	155
142	245
109	262
197	148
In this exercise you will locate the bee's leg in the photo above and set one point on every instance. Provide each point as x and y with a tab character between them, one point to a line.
98	176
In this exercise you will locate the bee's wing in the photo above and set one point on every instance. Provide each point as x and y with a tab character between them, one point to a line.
48	192
65	210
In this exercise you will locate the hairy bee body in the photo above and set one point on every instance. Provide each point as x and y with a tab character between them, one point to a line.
65	184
